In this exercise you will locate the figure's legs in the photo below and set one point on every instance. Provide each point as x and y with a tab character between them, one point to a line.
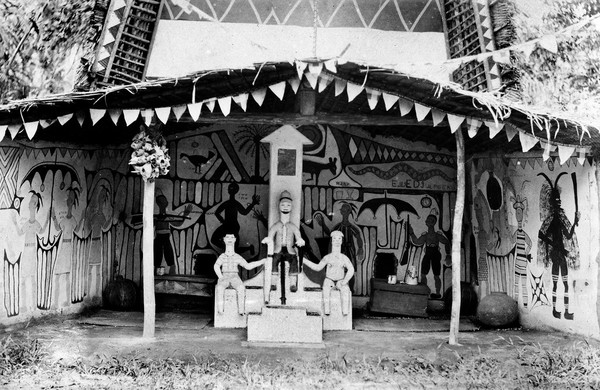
169	254
327	286
565	279
220	296
345	295
158	251
436	265
555	270
523	279
239	287
424	269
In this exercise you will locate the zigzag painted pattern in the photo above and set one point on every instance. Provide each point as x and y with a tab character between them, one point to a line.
9	159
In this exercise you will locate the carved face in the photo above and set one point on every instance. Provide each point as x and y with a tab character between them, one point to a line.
336	239
285	206
229	239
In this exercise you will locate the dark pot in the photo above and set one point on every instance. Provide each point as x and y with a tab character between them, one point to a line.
497	310
121	294
468	299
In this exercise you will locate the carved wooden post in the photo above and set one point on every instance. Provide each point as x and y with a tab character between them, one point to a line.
148	259
457	236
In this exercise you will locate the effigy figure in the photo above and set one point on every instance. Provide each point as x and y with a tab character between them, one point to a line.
226	268
339	272
281	239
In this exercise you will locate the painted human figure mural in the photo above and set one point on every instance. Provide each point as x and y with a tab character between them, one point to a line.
30	228
339	271
162	238
352	243
227	269
557	241
522	248
432	259
227	214
68	225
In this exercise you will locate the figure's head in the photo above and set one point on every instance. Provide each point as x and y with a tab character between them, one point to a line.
430	220
555	197
73	196
285	202
162	201
35	202
229	239
337	238
233	188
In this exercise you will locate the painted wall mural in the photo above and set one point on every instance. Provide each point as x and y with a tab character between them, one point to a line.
72	219
535	245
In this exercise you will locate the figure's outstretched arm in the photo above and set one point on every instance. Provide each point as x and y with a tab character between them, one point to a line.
251	265
315	266
18	226
255	202
297	236
442	237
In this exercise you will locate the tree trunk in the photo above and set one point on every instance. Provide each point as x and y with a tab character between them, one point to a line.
457	236
148	259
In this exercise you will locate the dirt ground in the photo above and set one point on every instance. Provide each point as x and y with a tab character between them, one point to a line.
187	336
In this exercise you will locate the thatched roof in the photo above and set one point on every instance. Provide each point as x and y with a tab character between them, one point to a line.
440	101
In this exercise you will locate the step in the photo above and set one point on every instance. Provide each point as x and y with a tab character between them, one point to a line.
285	324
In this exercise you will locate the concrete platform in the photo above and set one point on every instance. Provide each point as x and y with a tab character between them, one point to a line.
285	324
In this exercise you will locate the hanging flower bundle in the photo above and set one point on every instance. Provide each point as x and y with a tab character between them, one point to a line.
150	156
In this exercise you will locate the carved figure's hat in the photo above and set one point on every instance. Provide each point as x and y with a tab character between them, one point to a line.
285	195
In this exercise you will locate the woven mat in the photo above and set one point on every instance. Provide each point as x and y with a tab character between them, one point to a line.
410	325
136	319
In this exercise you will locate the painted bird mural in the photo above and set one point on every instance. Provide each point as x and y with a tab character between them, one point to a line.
197	160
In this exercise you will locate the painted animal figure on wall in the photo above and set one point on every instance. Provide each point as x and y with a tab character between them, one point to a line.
314	168
557	242
197	160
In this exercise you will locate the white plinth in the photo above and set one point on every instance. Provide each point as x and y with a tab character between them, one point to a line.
285	324
230	318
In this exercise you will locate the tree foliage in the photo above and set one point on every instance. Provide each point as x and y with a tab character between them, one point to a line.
568	80
41	42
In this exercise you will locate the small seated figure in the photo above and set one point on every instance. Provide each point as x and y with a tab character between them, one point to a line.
282	237
339	272
226	268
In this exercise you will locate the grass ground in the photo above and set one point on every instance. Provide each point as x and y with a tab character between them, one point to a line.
25	363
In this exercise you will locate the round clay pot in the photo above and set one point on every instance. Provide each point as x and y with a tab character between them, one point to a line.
468	299
497	310
121	294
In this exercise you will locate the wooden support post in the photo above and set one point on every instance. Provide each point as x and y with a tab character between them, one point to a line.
148	259
457	236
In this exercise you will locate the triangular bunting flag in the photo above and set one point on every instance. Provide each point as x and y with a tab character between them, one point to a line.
527	141
580	156
389	100
494	127
210	104
340	85
45	123
405	106
14	130
278	89
80	116
225	104
3	131
178	111
547	147
194	110
148	114
300	68
162	113
437	116
502	57
315	68
324	82
96	114
474	125
64	119
564	153
259	95
455	121
130	116
31	128
114	114
312	80
294	83
242	100
421	111
331	66
372	97
527	49
353	90
510	132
